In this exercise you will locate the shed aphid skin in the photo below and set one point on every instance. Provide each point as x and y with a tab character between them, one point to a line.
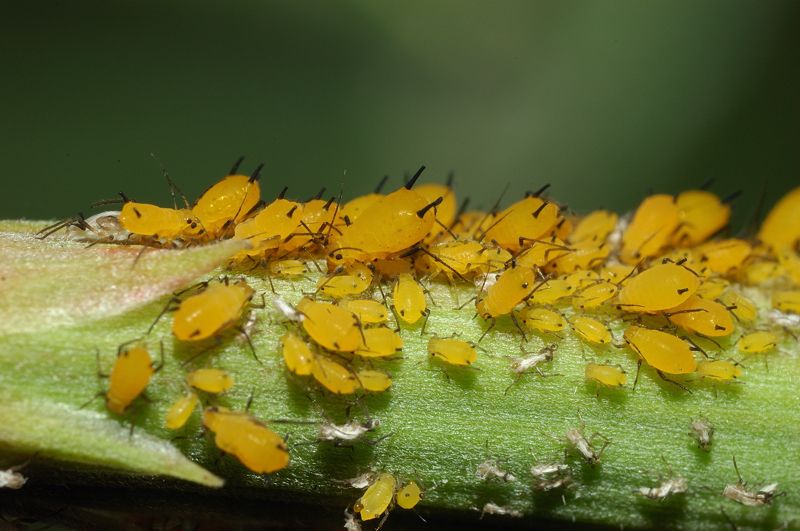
350	522
551	476
180	411
287	310
489	470
130	375
11	478
665	489
531	361
612	376
757	342
348	433
702	431
409	495
498	510
452	351
331	326
212	381
408	299
740	493
257	447
377	498
584	447
658	288
297	354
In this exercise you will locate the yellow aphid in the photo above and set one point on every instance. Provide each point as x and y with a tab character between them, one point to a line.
210	380
374	381
740	306
276	222
582	278
781	228
131	373
757	342
662	351
288	268
334	376
214	309
591	330
346	282
297	354
393	267
379	342
702	214
724	255
760	272
658	288
526	220
702	316
453	259
787	301
453	351
712	288
151	220
180	411
496	259
511	288
353	208
331	326
542	319
368	311
315	223
608	375
376	499
650	229
584	256
257	447
594	295
408	299
542	253
719	369
617	273
409	495
446	209
551	291
790	264
595	227
227	202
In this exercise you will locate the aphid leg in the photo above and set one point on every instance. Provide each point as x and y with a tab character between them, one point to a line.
467	302
100	373
95	397
494	322
516	323
661	375
169	307
160	365
427	313
638	368
249	343
728	519
271	285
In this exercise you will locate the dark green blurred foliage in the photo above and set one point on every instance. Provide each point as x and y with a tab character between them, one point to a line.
606	100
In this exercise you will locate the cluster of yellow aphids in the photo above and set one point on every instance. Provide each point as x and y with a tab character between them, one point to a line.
658	275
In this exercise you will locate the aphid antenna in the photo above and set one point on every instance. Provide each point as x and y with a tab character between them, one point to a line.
732	196
244	333
235	168
419	248
540	191
413	180
173	188
333	217
123	199
730	521
490	227
317	196
491	212
381	184
750	229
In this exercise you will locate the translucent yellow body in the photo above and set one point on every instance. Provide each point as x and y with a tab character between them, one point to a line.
607	375
446	210
271	226
376	498
595	227
227	202
787	301
210	380
662	351
375	381
331	326
130	375
541	253
409	495
257	447
460	258
553	290
719	369
594	295
542	319
702	214
353	208
757	342
591	330
530	218
389	225
712	288
650	229
453	351
354	281
334	376
180	411
703	316
288	268
379	342
743	308
790	263
781	228
368	311
211	311
724	255
151	220
408	298
511	288
582	278
658	288
759	272
297	354
317	215
585	255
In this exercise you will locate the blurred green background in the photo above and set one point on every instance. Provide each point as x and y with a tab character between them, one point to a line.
605	100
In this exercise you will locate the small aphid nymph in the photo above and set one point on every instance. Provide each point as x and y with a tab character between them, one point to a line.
740	493
489	470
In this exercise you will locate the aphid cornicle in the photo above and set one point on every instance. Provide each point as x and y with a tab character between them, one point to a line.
130	375
206	314
257	447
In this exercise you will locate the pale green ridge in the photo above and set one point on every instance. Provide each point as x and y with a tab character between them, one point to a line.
445	421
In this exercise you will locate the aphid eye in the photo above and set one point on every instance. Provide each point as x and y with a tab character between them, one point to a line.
338	256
